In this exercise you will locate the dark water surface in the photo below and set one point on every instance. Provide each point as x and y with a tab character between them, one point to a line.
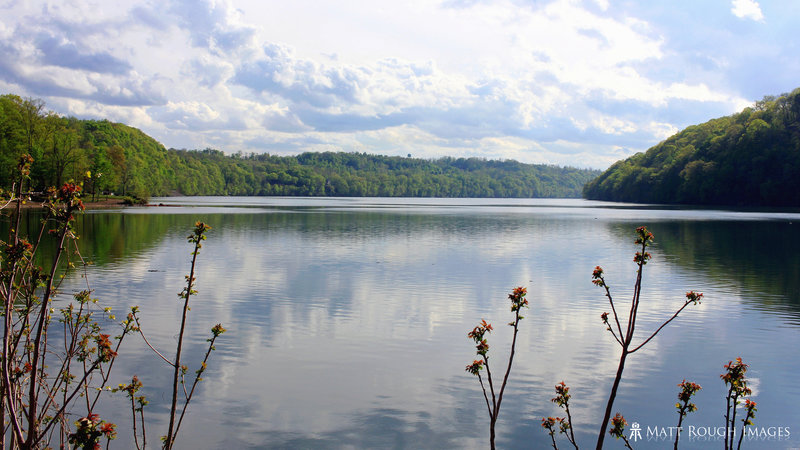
347	318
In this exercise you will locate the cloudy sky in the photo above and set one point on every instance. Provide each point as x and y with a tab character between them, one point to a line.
569	82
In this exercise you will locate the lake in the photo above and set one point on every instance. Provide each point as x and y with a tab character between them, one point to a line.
347	318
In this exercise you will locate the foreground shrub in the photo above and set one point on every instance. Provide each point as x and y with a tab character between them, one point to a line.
57	361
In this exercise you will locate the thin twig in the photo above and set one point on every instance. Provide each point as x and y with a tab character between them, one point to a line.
662	326
196	380
148	342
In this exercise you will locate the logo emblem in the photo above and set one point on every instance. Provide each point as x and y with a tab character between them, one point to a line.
636	432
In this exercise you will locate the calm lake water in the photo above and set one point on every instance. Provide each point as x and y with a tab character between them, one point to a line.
347	318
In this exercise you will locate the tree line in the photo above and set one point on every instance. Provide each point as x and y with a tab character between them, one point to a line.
751	158
115	158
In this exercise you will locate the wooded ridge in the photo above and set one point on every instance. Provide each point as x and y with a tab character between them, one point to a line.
113	157
747	159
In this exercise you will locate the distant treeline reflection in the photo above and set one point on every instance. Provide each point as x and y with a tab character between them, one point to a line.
721	250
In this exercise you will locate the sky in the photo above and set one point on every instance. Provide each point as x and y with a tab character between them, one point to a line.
581	83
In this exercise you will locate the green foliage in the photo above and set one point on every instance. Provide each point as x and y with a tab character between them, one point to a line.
105	156
750	158
130	200
210	172
112	157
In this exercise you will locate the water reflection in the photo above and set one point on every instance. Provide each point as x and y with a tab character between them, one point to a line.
347	318
759	256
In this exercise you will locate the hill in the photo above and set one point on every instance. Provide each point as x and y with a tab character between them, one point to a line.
748	159
113	157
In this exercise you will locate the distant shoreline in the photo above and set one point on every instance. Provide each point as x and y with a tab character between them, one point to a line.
100	204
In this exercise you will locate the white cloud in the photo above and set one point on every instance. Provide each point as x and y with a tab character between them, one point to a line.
547	81
747	9
603	4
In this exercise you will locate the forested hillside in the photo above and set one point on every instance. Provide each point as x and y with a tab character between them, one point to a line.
748	159
112	157
104	156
